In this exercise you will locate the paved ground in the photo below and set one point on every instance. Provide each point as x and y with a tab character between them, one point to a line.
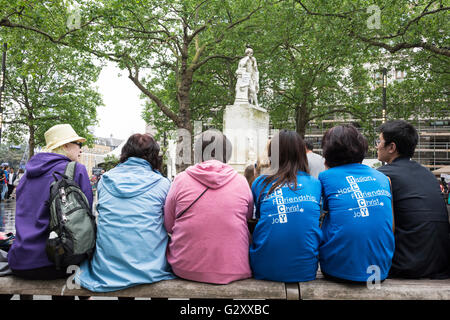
7	214
17	297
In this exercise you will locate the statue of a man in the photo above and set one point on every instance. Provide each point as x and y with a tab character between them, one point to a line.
248	78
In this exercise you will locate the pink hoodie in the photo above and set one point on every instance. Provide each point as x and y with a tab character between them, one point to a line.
210	241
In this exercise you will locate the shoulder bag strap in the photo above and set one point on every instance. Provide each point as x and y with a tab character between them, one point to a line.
182	212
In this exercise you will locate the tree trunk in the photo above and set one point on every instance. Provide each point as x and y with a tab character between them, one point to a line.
301	119
185	116
29	107
31	142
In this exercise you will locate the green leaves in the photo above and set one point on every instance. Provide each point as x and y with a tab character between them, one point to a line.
317	58
45	85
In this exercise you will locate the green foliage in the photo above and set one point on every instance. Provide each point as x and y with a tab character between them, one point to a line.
317	58
309	70
109	162
392	25
10	155
46	85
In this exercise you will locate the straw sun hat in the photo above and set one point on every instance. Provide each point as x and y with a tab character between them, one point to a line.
59	135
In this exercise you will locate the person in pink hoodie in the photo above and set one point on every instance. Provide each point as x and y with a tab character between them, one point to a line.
206	213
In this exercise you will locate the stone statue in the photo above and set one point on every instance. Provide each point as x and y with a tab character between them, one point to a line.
247	85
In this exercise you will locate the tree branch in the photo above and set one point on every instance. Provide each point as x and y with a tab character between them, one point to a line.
135	78
233	24
416	19
337	15
391	48
197	8
216	56
332	111
403	45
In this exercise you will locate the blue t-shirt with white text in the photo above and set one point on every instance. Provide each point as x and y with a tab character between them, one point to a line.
286	238
358	241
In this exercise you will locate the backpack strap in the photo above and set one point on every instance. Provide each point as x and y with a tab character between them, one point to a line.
182	212
70	170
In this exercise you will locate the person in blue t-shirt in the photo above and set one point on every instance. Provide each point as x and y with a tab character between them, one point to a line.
286	238
358	238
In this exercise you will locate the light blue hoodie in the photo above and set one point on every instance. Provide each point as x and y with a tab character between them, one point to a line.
131	238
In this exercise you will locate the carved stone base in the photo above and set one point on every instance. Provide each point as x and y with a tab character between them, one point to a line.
247	127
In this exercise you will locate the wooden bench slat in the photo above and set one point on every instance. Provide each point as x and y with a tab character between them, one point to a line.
319	289
177	288
390	289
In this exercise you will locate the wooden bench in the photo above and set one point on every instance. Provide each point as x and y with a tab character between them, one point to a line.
390	289
319	289
177	288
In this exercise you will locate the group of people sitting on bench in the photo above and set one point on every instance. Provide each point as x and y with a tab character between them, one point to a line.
351	220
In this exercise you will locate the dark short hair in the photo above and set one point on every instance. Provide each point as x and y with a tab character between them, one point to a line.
309	145
216	144
343	145
142	146
403	134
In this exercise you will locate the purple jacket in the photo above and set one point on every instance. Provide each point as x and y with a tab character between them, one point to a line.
32	214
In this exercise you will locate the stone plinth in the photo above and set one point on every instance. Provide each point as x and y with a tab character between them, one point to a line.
247	127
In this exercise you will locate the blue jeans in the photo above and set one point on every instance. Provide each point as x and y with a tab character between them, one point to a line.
4	190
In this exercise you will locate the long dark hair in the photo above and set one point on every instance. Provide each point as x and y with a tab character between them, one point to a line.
142	146
291	158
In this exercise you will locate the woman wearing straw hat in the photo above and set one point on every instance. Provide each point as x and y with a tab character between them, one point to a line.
27	257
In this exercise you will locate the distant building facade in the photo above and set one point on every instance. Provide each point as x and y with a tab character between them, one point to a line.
95	155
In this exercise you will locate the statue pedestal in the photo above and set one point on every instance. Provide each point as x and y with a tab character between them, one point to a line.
247	127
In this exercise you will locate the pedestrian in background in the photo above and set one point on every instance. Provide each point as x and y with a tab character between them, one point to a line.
12	177
249	174
16	182
316	162
3	183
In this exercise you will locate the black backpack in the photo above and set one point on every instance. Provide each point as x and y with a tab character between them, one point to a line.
72	228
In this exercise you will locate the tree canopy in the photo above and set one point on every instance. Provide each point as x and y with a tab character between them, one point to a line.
47	84
317	59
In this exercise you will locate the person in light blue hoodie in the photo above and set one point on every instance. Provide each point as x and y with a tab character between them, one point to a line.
131	238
